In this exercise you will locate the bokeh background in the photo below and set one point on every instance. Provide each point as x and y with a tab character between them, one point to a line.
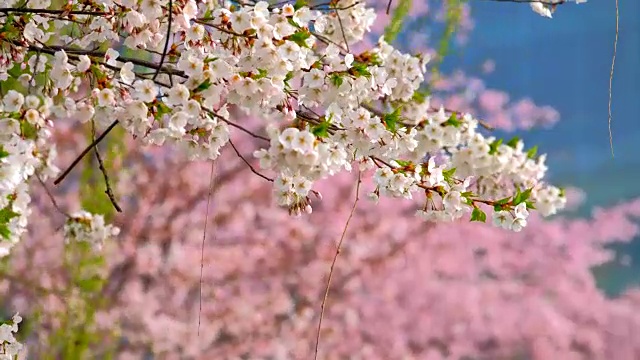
402	289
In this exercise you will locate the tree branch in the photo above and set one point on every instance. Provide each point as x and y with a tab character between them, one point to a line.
108	190
53	12
253	170
85	152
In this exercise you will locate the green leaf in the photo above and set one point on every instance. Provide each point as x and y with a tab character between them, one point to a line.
453	121
521	197
403	163
4	231
336	80
360	69
3	153
202	87
420	96
532	152
391	120
493	147
262	73
513	142
448	174
500	204
562	192
289	76
374	59
530	205
299	38
321	130
7	214
478	215
28	130
300	3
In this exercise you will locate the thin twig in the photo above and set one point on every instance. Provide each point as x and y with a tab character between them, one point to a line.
73	53
333	7
333	263
51	197
166	41
239	127
253	170
85	152
53	12
204	237
613	63
389	6
107	184
344	36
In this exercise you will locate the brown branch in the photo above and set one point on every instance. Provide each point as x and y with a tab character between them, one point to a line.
333	263
253	170
239	127
72	53
108	190
166	41
85	152
327	41
333	7
52	198
344	36
53	12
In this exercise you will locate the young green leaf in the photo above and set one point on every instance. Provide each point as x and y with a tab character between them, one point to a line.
513	142
336	80
391	120
448	174
478	215
300	3
300	37
360	69
321	130
453	121
202	87
493	147
3	153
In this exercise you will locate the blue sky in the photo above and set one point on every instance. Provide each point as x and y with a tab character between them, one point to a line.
565	62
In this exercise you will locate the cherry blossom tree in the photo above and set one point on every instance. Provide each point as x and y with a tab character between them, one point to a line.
325	108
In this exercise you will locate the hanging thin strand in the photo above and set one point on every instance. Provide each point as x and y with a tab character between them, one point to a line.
204	237
333	264
613	63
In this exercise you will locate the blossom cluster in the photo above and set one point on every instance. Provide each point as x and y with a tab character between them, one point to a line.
83	226
324	107
24	150
9	346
